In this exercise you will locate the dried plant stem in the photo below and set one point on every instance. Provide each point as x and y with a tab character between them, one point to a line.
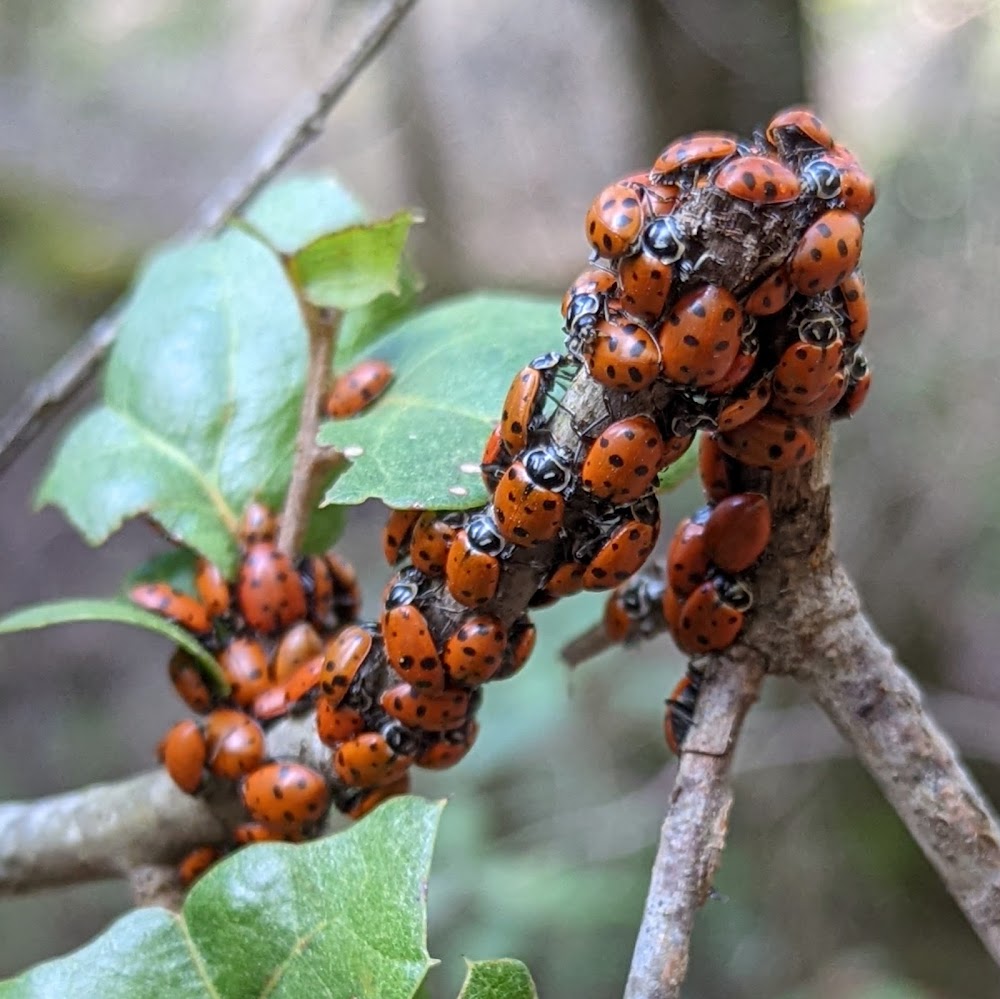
48	396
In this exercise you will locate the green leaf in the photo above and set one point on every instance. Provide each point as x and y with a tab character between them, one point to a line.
341	917
201	401
421	445
353	267
503	979
326	525
116	611
289	214
675	475
176	568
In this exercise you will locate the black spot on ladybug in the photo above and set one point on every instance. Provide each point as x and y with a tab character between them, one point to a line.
698	309
691	341
770	190
749	180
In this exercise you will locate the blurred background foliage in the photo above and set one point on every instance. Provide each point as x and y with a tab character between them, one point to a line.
121	115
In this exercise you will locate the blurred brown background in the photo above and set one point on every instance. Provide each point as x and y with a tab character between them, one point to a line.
502	119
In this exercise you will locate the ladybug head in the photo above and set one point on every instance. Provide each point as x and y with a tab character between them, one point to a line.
546	469
821	179
733	593
483	534
664	240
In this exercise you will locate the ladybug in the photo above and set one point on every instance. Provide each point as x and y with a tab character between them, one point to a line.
257	524
303	684
700	338
521	644
852	291
827	253
624	460
632	610
622	355
368	760
424	711
396	534
825	402
687	557
244	663
403	588
584	300
713	469
712	616
679	716
528	505
795	127
270	704
473	651
358	388
332	593
235	743
822	179
614	221
336	723
621	556
741	367
370	800
769	441
760	180
269	592
692	152
771	295
674	448
737	531
212	588
343	657
194	864
258	832
805	371
472	572
410	648
664	240
645	284
857	189
449	748
673	603
285	795
565	580
298	645
522	408
183	753
859	382
494	461
173	605
189	682
744	405
431	539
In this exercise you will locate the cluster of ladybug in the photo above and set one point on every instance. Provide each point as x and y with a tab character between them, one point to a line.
669	353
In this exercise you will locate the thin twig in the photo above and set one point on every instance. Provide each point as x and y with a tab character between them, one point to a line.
48	396
310	458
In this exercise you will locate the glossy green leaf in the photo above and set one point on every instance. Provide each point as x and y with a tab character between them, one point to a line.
675	475
341	917
503	979
420	444
353	267
291	213
115	611
201	401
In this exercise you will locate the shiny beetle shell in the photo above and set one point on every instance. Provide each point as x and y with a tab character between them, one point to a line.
645	284
471	574
285	795
525	513
212	589
244	663
164	600
622	355
687	558
801	126
805	370
771	295
343	657
769	441
368	760
827	253
336	723
396	534
624	460
269	592
691	152
425	711
235	743
707	622
700	338
760	180
852	291
429	544
297	646
614	221
410	648
358	388
738	531
183	753
474	650
622	555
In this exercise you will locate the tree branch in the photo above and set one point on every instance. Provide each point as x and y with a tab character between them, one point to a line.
49	395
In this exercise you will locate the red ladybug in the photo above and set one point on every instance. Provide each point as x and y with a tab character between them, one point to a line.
358	388
645	284
673	604
190	614
825	402
333	595
769	441
304	684
700	338
474	650
425	711
519	648
855	299
244	663
368	760
183	753
614	221
189	681
396	534
687	558
760	180
336	723
827	253
410	648
737	531
343	657
633	610
712	469
805	370
495	460
528	505
858	384
450	747
679	716
212	588
771	295
370	800
235	743
429	543
857	189
712	616
622	355
257	524
297	646
258	832
269	592
522	408
623	554
195	863
691	152
286	795
798	126
624	460
472	571
744	405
